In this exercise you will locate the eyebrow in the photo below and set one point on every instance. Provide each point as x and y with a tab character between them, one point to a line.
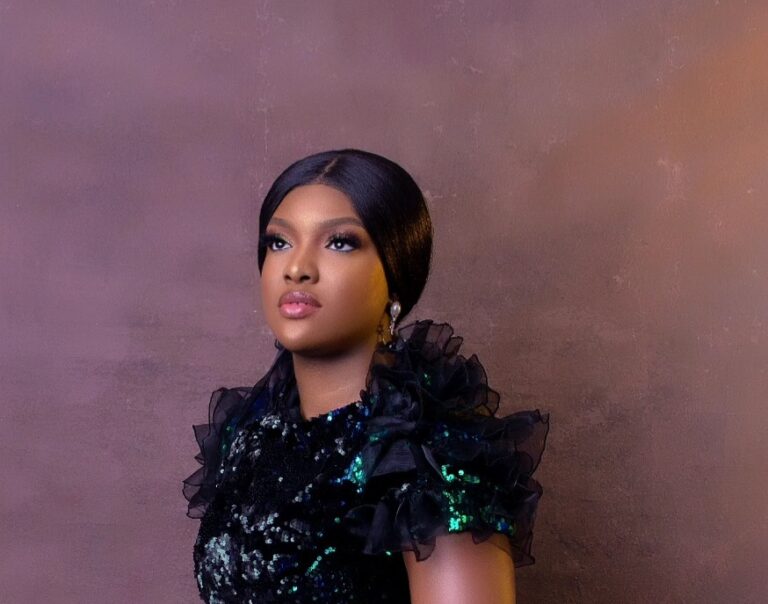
324	224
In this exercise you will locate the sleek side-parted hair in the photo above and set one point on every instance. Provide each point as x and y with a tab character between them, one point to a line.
388	202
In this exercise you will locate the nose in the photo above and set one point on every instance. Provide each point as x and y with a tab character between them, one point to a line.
301	267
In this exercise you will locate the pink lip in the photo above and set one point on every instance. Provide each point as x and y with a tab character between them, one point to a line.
297	310
297	304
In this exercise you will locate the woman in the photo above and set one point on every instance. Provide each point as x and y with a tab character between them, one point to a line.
368	464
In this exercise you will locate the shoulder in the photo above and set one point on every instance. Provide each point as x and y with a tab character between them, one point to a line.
438	458
225	409
228	410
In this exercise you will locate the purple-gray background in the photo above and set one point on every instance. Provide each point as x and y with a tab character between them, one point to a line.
597	177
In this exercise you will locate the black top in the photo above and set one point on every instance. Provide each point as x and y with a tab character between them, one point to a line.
296	510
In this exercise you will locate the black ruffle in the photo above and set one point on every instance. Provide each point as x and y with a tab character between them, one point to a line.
213	439
437	458
228	410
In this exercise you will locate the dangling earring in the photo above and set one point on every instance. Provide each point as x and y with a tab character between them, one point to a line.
394	312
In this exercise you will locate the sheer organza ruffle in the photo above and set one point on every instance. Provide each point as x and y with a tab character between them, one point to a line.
228	409
438	459
212	438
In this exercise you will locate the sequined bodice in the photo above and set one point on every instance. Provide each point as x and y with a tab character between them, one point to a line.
272	533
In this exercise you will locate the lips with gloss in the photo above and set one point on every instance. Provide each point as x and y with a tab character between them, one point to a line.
296	310
297	305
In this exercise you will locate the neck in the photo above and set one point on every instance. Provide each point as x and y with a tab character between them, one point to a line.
327	383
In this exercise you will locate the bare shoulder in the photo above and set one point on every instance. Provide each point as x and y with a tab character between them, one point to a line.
460	571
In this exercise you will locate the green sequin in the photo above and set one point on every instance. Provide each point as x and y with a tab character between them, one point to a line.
460	475
316	563
355	472
457	504
447	474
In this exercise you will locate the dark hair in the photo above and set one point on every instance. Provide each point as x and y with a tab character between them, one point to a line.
389	203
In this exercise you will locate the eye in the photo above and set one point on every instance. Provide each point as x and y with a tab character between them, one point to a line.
340	241
273	242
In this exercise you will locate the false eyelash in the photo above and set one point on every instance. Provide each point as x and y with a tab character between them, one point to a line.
346	237
268	239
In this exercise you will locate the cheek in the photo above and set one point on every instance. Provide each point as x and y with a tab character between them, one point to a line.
269	285
366	286
378	288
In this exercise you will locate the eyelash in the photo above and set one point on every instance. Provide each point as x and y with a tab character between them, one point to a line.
348	238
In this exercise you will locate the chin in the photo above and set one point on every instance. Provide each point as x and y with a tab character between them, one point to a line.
308	349
300	341
317	345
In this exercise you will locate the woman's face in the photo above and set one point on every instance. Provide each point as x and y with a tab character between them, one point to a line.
317	244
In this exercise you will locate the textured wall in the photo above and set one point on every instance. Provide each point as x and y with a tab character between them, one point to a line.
597	176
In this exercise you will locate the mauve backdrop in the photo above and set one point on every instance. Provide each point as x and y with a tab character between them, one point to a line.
597	177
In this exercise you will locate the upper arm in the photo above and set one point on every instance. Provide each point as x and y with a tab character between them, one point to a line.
460	571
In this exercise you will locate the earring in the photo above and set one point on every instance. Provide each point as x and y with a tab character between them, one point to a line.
394	312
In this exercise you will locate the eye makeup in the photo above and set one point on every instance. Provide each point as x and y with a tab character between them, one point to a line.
348	238
345	237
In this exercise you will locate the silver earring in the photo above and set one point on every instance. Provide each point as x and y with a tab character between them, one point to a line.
394	312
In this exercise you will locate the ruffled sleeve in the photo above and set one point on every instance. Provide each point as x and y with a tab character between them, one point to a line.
228	409
437	459
225	407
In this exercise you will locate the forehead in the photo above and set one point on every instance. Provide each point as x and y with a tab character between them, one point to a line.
314	203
